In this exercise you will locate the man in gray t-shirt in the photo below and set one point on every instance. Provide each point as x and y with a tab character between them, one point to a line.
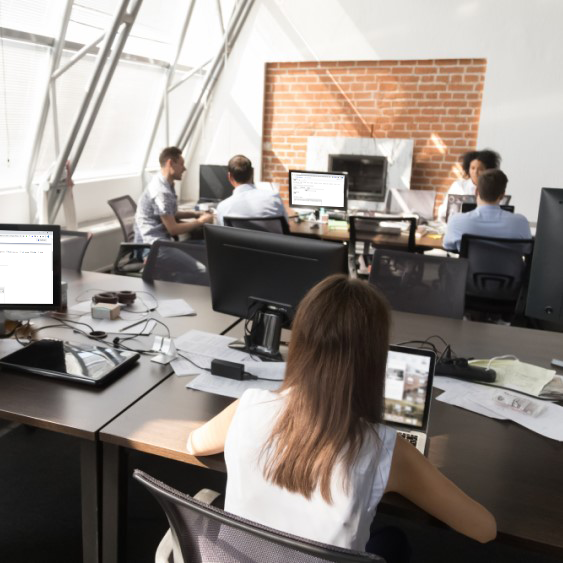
157	215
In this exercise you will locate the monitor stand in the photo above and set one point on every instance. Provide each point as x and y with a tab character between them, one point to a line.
264	337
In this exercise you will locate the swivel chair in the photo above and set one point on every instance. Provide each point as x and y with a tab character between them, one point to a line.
498	274
418	283
277	224
205	533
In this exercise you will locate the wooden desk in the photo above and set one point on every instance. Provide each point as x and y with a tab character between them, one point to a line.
306	229
512	471
81	411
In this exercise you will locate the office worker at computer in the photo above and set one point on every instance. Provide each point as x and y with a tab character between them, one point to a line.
487	219
157	215
314	458
473	164
247	200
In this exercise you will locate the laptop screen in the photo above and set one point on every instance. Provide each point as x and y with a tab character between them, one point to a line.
408	386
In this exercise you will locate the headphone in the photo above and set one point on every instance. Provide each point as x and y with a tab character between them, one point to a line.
114	297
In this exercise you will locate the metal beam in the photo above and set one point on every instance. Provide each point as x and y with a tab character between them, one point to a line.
40	130
167	88
85	50
233	29
121	19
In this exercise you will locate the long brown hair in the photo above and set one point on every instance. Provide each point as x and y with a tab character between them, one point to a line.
335	380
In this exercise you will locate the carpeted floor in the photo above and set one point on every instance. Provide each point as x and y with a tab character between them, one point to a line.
40	507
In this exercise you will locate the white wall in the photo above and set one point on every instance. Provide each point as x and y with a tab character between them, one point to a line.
522	112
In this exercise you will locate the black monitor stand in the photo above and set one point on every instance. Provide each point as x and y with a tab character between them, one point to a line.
263	339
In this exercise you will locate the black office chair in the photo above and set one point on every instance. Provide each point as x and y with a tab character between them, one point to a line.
498	274
368	233
205	533
277	224
130	256
73	248
417	283
180	262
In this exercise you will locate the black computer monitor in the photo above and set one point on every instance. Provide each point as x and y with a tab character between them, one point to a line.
328	190
263	277
545	291
214	185
30	268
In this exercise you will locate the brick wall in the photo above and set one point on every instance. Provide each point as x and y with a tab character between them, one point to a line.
435	102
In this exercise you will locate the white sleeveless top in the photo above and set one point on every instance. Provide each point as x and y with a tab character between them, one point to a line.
345	522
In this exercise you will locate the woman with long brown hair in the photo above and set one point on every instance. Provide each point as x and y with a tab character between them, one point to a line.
314	458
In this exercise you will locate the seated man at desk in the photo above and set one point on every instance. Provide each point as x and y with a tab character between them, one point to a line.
157	214
247	200
487	219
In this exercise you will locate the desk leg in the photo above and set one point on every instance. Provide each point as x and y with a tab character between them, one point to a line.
115	504
90	476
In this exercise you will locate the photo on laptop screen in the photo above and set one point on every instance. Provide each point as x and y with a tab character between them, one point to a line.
408	385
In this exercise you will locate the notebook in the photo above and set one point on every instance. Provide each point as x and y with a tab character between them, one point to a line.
81	363
408	392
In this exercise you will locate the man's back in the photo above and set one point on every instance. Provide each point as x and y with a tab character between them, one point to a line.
247	201
488	221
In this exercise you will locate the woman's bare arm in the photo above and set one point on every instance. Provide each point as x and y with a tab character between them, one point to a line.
415	478
210	438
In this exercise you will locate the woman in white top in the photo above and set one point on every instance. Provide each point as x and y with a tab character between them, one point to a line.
473	164
314	459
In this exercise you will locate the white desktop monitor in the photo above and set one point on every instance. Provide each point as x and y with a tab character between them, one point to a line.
327	190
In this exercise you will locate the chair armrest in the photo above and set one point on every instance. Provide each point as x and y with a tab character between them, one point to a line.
135	245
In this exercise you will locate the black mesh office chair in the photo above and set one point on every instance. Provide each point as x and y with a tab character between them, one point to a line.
207	534
417	283
73	248
277	224
368	233
498	274
180	262
129	259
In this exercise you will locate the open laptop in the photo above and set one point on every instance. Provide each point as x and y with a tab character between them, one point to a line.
408	392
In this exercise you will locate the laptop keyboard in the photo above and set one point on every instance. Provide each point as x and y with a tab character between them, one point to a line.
412	438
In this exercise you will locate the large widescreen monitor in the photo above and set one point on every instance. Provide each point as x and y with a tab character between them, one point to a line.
263	278
545	290
327	190
214	186
30	267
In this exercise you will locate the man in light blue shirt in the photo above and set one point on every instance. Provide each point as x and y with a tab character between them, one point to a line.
487	219
247	201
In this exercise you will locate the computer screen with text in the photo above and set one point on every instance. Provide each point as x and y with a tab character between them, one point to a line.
318	189
29	266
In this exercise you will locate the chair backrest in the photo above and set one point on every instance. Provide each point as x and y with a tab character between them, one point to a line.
497	266
124	208
206	533
277	224
379	232
73	248
181	262
416	283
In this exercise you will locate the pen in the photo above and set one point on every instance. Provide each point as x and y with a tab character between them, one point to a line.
134	324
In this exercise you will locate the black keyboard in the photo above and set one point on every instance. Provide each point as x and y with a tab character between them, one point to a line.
412	438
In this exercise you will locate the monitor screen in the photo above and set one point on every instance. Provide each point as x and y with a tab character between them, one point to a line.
30	267
262	277
214	186
545	290
408	383
318	189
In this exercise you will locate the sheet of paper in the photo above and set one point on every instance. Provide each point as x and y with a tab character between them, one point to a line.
229	387
174	308
81	307
119	326
480	399
210	345
183	368
517	375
